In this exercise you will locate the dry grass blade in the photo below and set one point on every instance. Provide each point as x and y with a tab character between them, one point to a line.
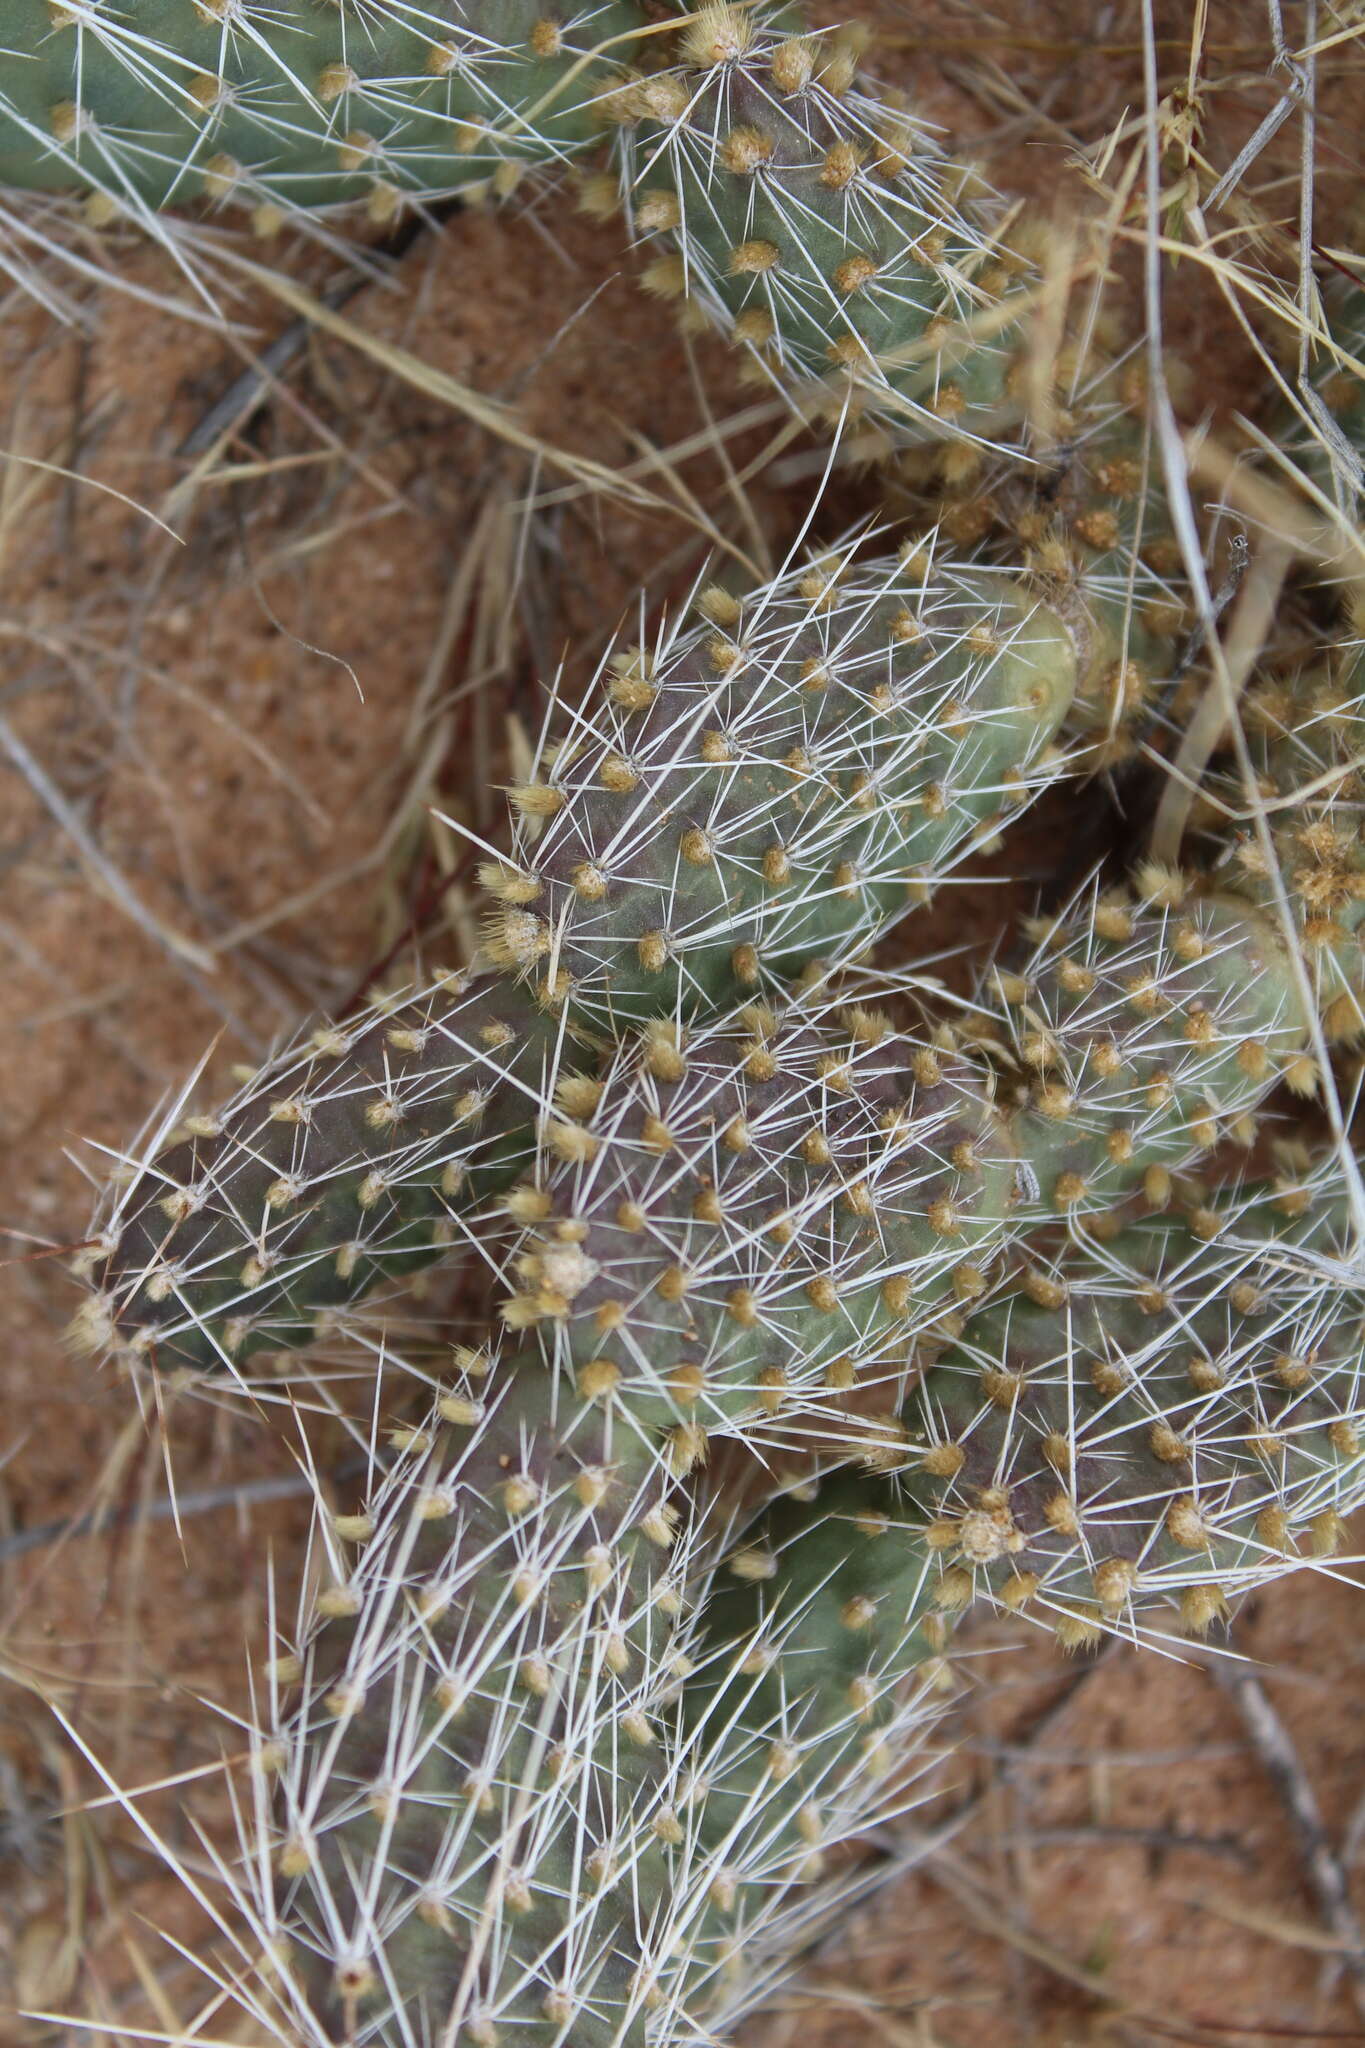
1324	542
93	483
1171	445
493	417
184	949
1248	631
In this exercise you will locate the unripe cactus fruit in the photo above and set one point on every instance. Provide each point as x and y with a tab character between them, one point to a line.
819	227
293	107
763	791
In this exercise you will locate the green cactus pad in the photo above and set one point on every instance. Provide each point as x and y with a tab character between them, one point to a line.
338	1164
296	107
774	792
775	787
1087	515
1306	741
465	1788
524	1783
1140	1032
819	227
739	1227
819	1682
1148	1427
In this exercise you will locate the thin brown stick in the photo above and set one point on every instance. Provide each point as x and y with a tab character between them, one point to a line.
1279	1759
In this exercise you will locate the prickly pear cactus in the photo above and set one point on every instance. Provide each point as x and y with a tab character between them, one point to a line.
1132	1038
530	1782
296	108
1147	1426
756	794
1143	1027
472	1781
818	1693
1132	1435
566	1745
340	1164
777	787
761	1216
556	1763
818	226
497	1793
1087	515
487	1770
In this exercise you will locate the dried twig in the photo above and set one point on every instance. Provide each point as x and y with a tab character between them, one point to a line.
1274	1747
167	1507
